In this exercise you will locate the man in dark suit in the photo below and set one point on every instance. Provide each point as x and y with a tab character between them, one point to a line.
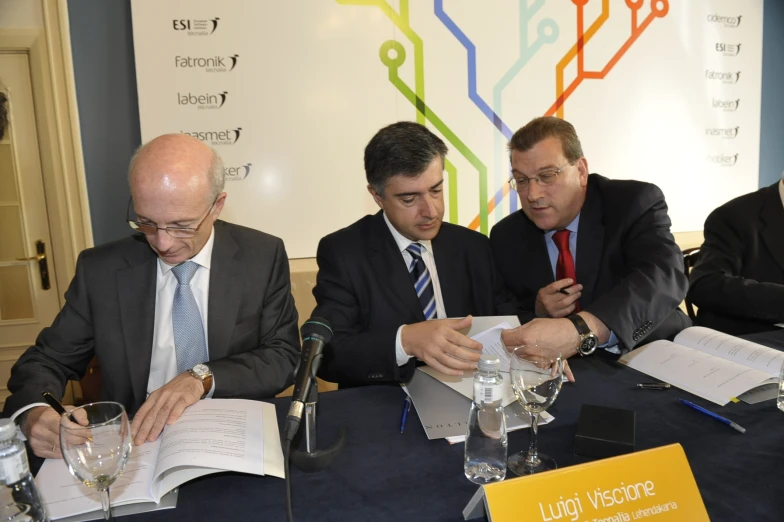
3	112
738	280
590	259
389	282
141	306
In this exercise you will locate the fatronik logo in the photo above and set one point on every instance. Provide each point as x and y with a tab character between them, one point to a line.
727	133
724	77
209	64
196	27
728	49
217	137
725	160
237	173
726	105
202	101
726	21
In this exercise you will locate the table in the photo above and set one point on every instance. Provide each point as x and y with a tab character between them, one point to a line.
383	475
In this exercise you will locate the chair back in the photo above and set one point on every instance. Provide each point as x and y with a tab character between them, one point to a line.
690	256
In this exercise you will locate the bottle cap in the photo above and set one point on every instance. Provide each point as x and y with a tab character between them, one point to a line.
489	363
7	429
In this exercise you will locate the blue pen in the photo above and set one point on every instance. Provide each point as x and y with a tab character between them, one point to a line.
406	407
715	416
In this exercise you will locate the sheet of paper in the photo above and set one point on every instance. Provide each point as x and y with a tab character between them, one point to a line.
703	374
169	501
516	419
729	347
492	344
273	451
464	385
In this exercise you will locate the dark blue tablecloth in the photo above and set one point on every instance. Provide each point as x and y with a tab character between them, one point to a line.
383	475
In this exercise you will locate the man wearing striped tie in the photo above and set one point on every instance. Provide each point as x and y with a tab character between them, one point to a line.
398	286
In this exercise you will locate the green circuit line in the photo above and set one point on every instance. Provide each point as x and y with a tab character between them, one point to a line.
451	172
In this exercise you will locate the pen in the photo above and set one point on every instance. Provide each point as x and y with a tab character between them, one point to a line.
654	385
406	407
715	416
564	291
54	403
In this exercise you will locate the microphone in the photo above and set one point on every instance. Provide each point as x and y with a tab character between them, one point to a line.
316	333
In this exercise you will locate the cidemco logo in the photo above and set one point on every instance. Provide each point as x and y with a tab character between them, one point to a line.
237	173
208	64
217	137
725	160
728	49
724	77
726	21
196	27
729	133
202	101
726	105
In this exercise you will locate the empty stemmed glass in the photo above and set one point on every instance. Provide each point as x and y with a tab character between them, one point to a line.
96	446
536	373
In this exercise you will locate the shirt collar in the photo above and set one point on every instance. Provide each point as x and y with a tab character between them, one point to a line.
402	241
571	227
203	258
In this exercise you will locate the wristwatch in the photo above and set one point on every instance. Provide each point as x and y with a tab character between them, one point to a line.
204	374
588	340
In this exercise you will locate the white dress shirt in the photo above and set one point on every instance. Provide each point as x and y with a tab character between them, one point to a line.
430	263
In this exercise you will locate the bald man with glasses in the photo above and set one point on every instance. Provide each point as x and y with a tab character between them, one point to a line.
189	307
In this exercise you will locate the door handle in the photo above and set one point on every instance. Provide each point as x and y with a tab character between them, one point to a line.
43	266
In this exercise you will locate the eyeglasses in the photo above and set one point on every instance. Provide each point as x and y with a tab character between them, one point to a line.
150	229
544	178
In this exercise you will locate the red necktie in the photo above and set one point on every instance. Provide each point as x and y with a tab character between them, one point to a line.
564	268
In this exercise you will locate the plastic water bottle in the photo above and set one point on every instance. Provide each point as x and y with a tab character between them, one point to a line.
19	500
485	443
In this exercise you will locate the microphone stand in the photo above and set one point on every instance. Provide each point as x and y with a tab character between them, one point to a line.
313	459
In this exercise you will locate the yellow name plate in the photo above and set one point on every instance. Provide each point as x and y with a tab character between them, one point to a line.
655	485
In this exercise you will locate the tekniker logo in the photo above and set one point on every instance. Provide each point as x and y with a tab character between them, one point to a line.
725	160
202	101
727	133
196	27
237	173
724	77
217	137
728	21
209	64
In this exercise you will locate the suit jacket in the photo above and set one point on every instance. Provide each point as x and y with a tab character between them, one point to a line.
626	259
110	312
364	290
738	280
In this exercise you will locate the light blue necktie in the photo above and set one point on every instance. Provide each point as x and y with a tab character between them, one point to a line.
189	341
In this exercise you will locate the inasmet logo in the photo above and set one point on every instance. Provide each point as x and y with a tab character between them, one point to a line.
202	101
728	49
196	27
237	173
217	137
727	21
724	77
727	133
725	160
726	105
209	64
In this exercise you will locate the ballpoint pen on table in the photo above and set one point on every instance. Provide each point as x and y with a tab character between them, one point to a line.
654	385
714	415
406	407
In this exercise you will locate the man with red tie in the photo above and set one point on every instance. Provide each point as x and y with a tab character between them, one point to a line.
591	259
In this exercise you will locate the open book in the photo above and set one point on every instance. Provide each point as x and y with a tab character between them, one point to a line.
211	436
715	366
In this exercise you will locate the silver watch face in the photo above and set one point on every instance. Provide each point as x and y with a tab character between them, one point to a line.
201	370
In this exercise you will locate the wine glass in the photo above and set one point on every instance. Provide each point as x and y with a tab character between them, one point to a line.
536	373
96	446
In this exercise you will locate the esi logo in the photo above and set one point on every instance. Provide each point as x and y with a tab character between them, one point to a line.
728	49
212	64
217	137
728	133
202	101
726	105
724	160
723	77
726	21
196	27
237	173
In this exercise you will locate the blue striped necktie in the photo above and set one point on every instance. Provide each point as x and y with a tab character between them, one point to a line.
189	342
422	282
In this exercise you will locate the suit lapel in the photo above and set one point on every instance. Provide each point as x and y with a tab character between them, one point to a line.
590	242
534	259
225	292
136	288
389	265
773	215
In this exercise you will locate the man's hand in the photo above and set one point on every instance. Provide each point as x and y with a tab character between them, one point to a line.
441	346
557	334
557	299
41	426
164	406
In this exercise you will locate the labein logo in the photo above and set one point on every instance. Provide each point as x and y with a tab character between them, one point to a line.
724	77
202	101
196	27
210	64
725	160
237	173
726	105
727	133
219	137
727	21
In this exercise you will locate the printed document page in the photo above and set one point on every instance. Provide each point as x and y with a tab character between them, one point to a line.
733	348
